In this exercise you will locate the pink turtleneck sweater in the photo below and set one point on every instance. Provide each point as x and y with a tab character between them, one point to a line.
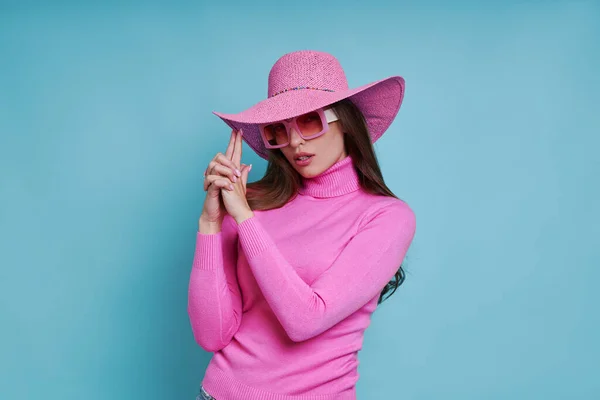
283	298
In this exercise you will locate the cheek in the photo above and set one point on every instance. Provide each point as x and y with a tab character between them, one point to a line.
329	138
332	140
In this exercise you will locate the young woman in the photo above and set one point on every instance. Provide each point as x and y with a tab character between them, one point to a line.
287	270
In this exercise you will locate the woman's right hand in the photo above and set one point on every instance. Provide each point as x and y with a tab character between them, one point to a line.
219	174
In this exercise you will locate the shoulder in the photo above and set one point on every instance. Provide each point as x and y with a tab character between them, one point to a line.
390	211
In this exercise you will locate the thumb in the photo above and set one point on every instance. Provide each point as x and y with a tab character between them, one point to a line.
245	171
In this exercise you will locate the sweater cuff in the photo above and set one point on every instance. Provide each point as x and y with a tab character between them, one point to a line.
253	237
209	251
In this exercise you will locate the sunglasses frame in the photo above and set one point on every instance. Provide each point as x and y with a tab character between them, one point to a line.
327	115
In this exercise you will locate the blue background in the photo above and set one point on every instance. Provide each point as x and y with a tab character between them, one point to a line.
106	129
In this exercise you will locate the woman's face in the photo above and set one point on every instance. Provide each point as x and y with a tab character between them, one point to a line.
327	149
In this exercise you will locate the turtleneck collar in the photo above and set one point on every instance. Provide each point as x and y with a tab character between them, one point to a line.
339	179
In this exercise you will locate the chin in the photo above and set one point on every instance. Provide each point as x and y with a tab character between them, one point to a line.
308	173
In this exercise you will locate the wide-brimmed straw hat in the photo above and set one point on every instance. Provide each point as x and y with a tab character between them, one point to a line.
306	80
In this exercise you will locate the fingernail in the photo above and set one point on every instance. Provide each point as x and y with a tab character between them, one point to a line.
230	187
237	172
250	167
235	178
241	132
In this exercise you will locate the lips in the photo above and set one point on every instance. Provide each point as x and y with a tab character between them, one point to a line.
303	163
303	155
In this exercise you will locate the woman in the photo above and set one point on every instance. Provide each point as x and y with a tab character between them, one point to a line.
287	270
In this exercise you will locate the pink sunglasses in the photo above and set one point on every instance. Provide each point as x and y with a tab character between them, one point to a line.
309	126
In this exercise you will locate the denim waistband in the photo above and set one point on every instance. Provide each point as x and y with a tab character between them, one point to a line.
203	395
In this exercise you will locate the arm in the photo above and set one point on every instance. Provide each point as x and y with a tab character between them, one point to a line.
214	298
360	272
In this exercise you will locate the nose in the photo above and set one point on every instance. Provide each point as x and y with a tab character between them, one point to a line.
295	138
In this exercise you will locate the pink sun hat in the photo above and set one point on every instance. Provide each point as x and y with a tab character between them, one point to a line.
306	80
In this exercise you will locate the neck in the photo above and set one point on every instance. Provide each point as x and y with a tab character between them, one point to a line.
339	179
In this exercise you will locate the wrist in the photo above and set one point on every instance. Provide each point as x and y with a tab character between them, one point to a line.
244	216
208	227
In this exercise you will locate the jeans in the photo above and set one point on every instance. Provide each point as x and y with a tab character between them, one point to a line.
203	395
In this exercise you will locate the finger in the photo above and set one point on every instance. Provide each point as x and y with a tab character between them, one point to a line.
231	146
237	152
217	182
216	187
211	179
245	171
227	162
214	178
221	158
212	164
221	170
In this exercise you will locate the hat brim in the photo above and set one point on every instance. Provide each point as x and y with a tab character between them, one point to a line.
379	102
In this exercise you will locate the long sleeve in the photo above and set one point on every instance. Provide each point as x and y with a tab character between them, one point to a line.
363	268
214	299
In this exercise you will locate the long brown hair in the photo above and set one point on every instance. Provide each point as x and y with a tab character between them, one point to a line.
281	181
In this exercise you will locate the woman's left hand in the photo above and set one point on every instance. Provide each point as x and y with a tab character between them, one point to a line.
235	200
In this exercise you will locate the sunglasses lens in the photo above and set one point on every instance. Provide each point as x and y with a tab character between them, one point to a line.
310	124
275	134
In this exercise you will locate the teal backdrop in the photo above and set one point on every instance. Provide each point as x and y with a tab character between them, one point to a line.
106	129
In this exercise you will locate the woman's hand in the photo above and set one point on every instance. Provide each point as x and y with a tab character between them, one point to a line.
235	201
221	173
224	176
